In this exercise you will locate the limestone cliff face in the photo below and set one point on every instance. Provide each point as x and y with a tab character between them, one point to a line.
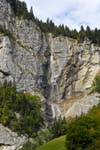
56	68
10	140
73	66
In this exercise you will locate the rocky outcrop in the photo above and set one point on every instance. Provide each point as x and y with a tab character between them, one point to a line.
55	67
73	66
82	105
6	16
10	140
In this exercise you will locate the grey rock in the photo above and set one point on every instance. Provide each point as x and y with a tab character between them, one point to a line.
10	139
83	105
56	67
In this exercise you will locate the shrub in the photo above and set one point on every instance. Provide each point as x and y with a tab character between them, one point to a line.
59	127
20	112
96	84
84	132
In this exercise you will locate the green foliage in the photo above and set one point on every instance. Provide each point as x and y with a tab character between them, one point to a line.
81	35
13	4
59	127
50	27
84	132
6	32
31	14
43	136
96	84
20	112
28	146
21	11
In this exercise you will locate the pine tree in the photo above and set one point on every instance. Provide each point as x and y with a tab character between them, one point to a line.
88	33
31	13
81	35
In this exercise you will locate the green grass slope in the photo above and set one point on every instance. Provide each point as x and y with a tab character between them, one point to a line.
56	144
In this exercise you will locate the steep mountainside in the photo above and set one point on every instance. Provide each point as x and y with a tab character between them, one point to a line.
56	68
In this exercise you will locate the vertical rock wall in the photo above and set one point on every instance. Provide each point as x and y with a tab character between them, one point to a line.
54	67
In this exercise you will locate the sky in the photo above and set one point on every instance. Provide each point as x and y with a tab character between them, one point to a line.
72	13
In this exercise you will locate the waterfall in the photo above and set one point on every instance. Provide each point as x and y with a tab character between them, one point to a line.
56	112
92	47
57	88
55	91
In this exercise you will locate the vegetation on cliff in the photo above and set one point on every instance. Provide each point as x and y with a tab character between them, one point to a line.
20	112
6	32
21	11
96	84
